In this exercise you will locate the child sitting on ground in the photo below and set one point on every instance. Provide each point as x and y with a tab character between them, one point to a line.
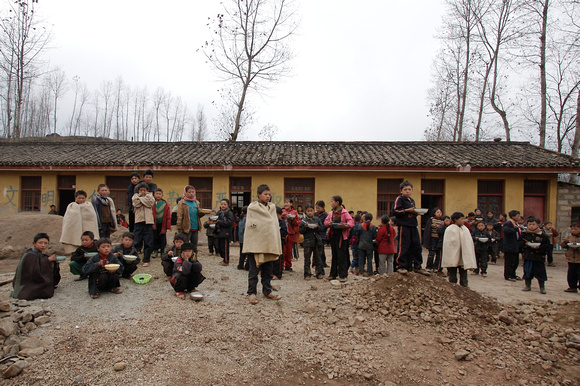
78	257
100	279
121	219
458	252
166	260
386	245
127	248
186	275
37	274
312	243
481	242
534	245
573	256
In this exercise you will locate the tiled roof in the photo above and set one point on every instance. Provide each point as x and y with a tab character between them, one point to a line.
374	155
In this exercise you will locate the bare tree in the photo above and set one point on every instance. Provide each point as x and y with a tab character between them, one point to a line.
199	126
268	132
58	86
250	48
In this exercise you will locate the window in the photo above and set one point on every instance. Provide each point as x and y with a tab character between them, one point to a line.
490	195
118	191
301	190
240	191
30	194
387	192
203	190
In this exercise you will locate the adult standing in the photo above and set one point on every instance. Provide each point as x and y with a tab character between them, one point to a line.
105	210
510	247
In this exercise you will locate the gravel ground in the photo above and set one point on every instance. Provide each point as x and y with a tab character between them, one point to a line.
383	330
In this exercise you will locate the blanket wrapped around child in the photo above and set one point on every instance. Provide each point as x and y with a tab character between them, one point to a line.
262	233
78	218
458	250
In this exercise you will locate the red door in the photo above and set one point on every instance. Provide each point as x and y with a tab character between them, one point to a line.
535	206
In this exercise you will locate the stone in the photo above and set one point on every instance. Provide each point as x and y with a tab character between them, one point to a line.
368	376
41	320
505	317
5	306
33	342
335	283
275	287
36	311
26	317
8	327
119	366
225	278
12	371
461	354
31	352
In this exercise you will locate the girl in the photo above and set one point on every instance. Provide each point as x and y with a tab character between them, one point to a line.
224	226
321	214
189	216
431	238
293	222
386	242
340	223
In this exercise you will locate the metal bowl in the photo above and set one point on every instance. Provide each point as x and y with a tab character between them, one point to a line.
174	258
214	218
291	216
212	225
91	254
573	245
129	257
534	245
196	296
421	211
483	239
312	226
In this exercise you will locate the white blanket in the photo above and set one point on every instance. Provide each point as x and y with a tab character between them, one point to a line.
458	250
78	218
262	233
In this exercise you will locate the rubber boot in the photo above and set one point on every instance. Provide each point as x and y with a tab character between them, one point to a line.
528	286
542	288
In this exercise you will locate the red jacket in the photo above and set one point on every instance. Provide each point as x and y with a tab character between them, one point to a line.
293	225
166	223
385	242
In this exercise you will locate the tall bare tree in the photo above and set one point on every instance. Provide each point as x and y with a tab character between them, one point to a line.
58	85
199	131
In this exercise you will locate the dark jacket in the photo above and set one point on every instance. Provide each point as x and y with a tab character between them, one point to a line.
126	251
529	253
225	223
79	254
510	238
480	246
130	193
92	269
283	230
404	218
312	237
210	232
367	233
322	216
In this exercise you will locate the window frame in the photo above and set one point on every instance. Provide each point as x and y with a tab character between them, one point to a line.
485	208
391	196
32	195
300	197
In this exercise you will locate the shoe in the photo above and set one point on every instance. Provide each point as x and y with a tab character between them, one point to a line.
511	279
81	277
180	295
331	278
275	278
422	272
526	289
492	263
551	265
402	271
342	279
289	269
116	290
252	299
145	264
475	273
320	277
223	263
575	290
543	291
518	278
307	277
96	296
484	274
274	297
240	268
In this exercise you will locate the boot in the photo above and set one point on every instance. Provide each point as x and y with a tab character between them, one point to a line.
542	288
528	286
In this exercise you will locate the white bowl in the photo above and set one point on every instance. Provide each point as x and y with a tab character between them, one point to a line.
574	245
534	245
112	267
212	225
214	218
483	239
291	216
312	226
129	257
421	211
196	296
549	233
174	258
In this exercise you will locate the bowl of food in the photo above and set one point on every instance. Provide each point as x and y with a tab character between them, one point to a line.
290	216
573	245
534	245
483	239
212	225
60	258
196	296
312	226
112	267
335	225
213	218
129	257
174	258
91	254
549	234
142	278
421	211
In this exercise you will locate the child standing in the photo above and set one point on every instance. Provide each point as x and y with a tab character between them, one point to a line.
127	248
441	233
367	233
409	242
340	222
243	263
493	245
79	217
293	223
431	238
166	261
321	214
278	264
534	245
354	240
552	233
458	253
510	247
144	202
186	275
162	222
211	234
481	245
386	245
312	243
78	257
99	278
573	257
105	211
189	216
262	243
135	177
224	225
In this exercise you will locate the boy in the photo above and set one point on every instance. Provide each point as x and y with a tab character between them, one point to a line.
354	243
409	256
510	247
573	257
480	248
431	239
78	258
99	278
262	243
186	275
162	222
493	246
211	235
552	233
147	179
293	224
135	177
105	210
278	265
478	216
534	255
143	202
52	210
312	243
243	263
321	214
79	217
178	240
367	233
224	226
127	247
458	252
37	274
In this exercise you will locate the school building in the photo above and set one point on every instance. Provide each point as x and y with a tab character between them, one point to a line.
496	176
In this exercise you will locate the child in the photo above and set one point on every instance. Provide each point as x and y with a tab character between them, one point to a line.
386	245
572	257
409	242
278	264
262	243
135	177
312	243
458	252
79	217
480	248
431	238
127	247
534	256
510	247
243	263
293	223
144	202
224	225
121	219
78	258
441	232
162	213
367	233
186	275
478	216
321	214
166	262
147	179
37	274
189	216
211	234
99	278
52	210
354	238
552	233
105	210
340	222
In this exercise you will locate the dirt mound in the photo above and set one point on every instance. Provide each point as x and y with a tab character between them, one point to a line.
18	232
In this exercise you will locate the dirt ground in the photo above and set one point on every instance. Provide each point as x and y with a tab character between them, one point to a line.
381	330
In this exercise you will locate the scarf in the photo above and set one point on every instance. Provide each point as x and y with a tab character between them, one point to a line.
104	200
189	199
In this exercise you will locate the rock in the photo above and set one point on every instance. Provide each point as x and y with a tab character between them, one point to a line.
7	327
573	341
119	366
335	283
12	371
33	342
368	376
31	352
5	306
276	287
36	311
224	278
461	355
313	288
505	317
26	317
41	320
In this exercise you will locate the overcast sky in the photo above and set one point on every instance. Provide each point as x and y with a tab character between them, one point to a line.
361	69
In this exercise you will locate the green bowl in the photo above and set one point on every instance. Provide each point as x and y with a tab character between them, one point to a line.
91	254
142	278
60	258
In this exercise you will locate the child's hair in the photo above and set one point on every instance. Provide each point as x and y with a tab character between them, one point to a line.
385	219
142	185
503	214
546	223
299	206
575	225
212	211
226	200
134	174
533	219
470	214
489	211
39	236
245	209
148	172
278	210
436	209
479	222
456	216
368	216
80	193
309	206
320	203
101	186
476	209
130	235
262	188
289	200
159	190
337	199
89	233
357	217
180	236
491	222
53	206
443	218
405	183
393	219
103	240
513	213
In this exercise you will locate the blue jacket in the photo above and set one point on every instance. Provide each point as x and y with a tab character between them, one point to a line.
511	234
241	228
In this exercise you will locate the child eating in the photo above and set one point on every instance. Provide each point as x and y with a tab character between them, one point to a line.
186	272
100	279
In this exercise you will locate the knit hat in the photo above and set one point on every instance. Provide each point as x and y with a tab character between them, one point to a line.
186	246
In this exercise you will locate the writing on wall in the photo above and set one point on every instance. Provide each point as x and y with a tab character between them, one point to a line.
47	198
9	193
